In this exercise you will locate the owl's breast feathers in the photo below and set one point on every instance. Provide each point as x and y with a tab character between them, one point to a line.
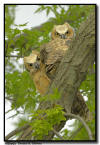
52	53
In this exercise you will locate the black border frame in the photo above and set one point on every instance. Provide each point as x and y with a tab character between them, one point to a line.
96	89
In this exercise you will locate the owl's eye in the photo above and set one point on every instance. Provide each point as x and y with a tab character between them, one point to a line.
57	33
67	32
30	64
38	58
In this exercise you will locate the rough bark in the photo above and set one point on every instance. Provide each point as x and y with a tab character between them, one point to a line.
73	69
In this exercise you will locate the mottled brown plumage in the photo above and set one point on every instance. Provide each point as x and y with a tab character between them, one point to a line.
52	53
64	31
80	108
37	71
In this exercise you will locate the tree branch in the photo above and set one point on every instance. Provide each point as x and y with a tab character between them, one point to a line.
26	134
83	122
14	132
14	56
57	134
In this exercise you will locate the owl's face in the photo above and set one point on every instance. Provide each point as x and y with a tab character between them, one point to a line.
64	31
32	62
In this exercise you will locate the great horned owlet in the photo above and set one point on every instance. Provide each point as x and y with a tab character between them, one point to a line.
52	53
36	69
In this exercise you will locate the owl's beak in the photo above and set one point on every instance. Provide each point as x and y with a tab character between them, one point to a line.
36	65
63	36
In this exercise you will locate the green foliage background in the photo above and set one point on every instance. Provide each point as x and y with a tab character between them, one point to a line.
20	89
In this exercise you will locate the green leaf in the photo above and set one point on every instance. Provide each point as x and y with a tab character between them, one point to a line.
22	25
47	11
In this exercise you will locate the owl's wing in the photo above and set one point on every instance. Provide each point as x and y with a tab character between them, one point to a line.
51	55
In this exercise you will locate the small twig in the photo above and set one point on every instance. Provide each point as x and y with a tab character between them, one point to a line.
16	131
14	56
83	122
60	6
12	116
7	98
57	134
25	134
82	91
8	111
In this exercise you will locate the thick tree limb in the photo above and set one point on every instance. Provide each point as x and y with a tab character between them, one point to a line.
26	134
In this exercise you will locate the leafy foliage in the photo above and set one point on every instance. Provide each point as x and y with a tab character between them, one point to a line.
9	18
44	120
20	89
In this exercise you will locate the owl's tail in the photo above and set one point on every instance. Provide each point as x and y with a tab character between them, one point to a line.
80	108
